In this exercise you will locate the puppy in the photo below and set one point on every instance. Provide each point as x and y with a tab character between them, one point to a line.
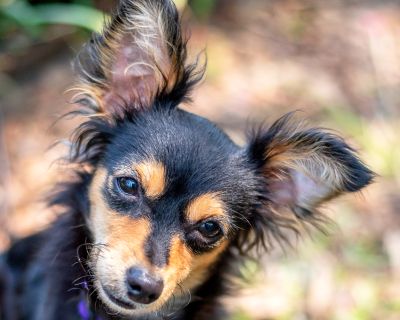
163	202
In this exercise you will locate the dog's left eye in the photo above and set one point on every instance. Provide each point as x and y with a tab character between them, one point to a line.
210	229
128	185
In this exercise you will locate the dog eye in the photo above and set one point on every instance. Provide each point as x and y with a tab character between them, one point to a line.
128	185
210	229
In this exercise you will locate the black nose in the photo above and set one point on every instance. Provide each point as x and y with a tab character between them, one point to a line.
143	287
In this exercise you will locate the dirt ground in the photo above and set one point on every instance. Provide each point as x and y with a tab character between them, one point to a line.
338	62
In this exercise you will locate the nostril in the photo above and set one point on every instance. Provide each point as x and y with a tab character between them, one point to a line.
135	289
143	287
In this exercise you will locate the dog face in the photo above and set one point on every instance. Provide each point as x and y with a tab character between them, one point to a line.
163	205
170	192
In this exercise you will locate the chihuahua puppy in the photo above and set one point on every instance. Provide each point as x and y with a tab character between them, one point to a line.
163	203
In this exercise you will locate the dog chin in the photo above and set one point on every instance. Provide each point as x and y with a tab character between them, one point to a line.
116	305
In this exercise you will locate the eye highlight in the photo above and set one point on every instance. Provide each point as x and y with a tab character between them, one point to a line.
210	229
127	185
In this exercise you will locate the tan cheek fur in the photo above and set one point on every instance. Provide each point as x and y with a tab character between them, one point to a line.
201	265
185	270
194	270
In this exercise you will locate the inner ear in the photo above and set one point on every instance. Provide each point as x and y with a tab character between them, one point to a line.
303	167
298	191
138	64
131	77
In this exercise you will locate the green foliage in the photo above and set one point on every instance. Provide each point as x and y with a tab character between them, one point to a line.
365	254
33	19
376	138
241	316
203	8
249	272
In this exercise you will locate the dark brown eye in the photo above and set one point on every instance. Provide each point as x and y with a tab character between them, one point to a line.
210	229
128	185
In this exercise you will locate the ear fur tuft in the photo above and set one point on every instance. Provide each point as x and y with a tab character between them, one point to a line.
299	168
139	59
288	145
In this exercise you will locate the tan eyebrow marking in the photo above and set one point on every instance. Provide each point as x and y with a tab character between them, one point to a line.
152	177
205	206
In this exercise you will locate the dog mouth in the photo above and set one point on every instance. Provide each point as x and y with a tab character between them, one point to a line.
119	302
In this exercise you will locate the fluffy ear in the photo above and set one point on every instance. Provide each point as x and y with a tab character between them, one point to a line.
139	56
300	168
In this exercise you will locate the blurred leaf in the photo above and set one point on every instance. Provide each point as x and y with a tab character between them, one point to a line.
376	138
72	14
82	16
203	8
180	4
346	119
249	271
392	306
240	315
365	254
20	13
88	3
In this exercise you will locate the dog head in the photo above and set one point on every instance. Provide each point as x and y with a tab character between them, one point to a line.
170	192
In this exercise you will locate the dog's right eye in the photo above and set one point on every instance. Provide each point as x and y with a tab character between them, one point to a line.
127	185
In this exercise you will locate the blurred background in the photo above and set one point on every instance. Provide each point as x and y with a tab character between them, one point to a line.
338	61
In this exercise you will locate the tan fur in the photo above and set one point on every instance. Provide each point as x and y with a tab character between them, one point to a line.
185	270
132	234
206	206
87	91
152	177
98	214
201	267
